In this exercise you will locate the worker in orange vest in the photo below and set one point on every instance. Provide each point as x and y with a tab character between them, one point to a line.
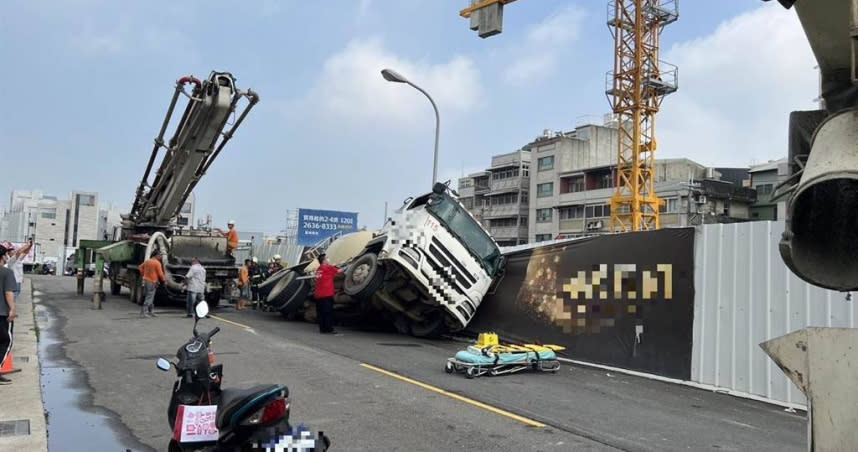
243	286
153	273
231	237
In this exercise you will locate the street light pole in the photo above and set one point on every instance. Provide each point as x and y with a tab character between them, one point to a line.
392	76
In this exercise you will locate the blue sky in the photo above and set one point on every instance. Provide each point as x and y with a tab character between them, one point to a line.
86	84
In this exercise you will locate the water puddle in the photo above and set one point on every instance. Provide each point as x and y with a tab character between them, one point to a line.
72	424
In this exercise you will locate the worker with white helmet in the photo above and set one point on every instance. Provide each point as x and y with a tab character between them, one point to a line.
231	237
256	277
275	266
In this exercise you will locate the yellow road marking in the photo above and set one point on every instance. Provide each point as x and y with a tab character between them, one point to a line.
472	402
229	321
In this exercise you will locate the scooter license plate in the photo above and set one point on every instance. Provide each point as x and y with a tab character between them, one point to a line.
195	424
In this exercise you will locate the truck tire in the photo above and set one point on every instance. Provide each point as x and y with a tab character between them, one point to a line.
115	287
363	277
432	327
213	299
287	290
269	283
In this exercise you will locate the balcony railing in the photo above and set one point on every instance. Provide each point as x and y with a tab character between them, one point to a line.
510	183
508	232
506	210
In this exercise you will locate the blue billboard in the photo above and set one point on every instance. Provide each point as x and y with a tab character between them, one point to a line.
317	225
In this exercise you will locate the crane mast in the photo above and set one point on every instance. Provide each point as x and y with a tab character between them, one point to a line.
197	141
636	88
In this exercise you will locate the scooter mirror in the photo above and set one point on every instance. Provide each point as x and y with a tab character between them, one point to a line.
202	309
163	364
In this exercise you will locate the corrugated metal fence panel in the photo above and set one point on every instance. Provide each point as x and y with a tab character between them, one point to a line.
746	295
289	254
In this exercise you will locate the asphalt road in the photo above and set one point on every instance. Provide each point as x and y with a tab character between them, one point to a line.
361	408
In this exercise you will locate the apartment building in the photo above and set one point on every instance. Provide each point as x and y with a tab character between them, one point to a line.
764	178
498	197
57	226
185	218
574	179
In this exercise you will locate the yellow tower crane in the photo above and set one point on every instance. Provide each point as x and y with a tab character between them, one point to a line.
636	88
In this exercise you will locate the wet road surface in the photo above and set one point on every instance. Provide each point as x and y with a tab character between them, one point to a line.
343	386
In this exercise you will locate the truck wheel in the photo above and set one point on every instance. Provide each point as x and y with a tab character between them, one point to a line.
115	287
363	277
288	289
266	286
213	299
433	325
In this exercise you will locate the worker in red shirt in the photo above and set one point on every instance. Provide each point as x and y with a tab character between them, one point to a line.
153	273
324	295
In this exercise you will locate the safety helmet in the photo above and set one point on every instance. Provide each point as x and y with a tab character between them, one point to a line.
276	257
255	260
230	222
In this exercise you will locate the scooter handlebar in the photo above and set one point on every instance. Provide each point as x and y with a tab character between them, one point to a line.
214	331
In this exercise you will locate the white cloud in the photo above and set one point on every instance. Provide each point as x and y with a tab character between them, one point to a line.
737	87
351	87
537	58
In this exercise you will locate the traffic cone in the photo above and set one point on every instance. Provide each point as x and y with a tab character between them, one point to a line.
8	366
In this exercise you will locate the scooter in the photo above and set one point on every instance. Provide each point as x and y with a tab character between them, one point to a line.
204	417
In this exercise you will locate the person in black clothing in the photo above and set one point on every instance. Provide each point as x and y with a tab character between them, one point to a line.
8	312
256	277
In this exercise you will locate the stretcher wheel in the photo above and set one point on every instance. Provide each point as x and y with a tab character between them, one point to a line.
448	367
493	372
471	372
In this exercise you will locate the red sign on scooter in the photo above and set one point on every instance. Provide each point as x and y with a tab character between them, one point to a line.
195	423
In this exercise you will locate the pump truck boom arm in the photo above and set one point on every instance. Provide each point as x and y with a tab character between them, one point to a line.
198	139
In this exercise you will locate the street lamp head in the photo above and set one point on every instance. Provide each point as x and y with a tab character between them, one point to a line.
392	76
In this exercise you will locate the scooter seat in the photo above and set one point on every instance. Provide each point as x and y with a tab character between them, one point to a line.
233	400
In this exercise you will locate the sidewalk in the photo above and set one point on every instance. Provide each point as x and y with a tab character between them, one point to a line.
22	400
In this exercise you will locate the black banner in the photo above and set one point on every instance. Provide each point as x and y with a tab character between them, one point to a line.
624	300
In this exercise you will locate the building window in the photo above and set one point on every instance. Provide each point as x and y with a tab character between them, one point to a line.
571	184
571	212
87	200
765	189
505	174
468	203
545	190
606	181
546	163
508	198
671	205
503	223
543	237
598	211
543	215
186	208
48	213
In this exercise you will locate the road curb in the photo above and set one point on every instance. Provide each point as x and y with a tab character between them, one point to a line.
22	400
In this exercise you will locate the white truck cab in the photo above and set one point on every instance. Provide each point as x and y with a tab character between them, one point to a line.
431	265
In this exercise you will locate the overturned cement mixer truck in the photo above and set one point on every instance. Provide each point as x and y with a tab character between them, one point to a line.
427	270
